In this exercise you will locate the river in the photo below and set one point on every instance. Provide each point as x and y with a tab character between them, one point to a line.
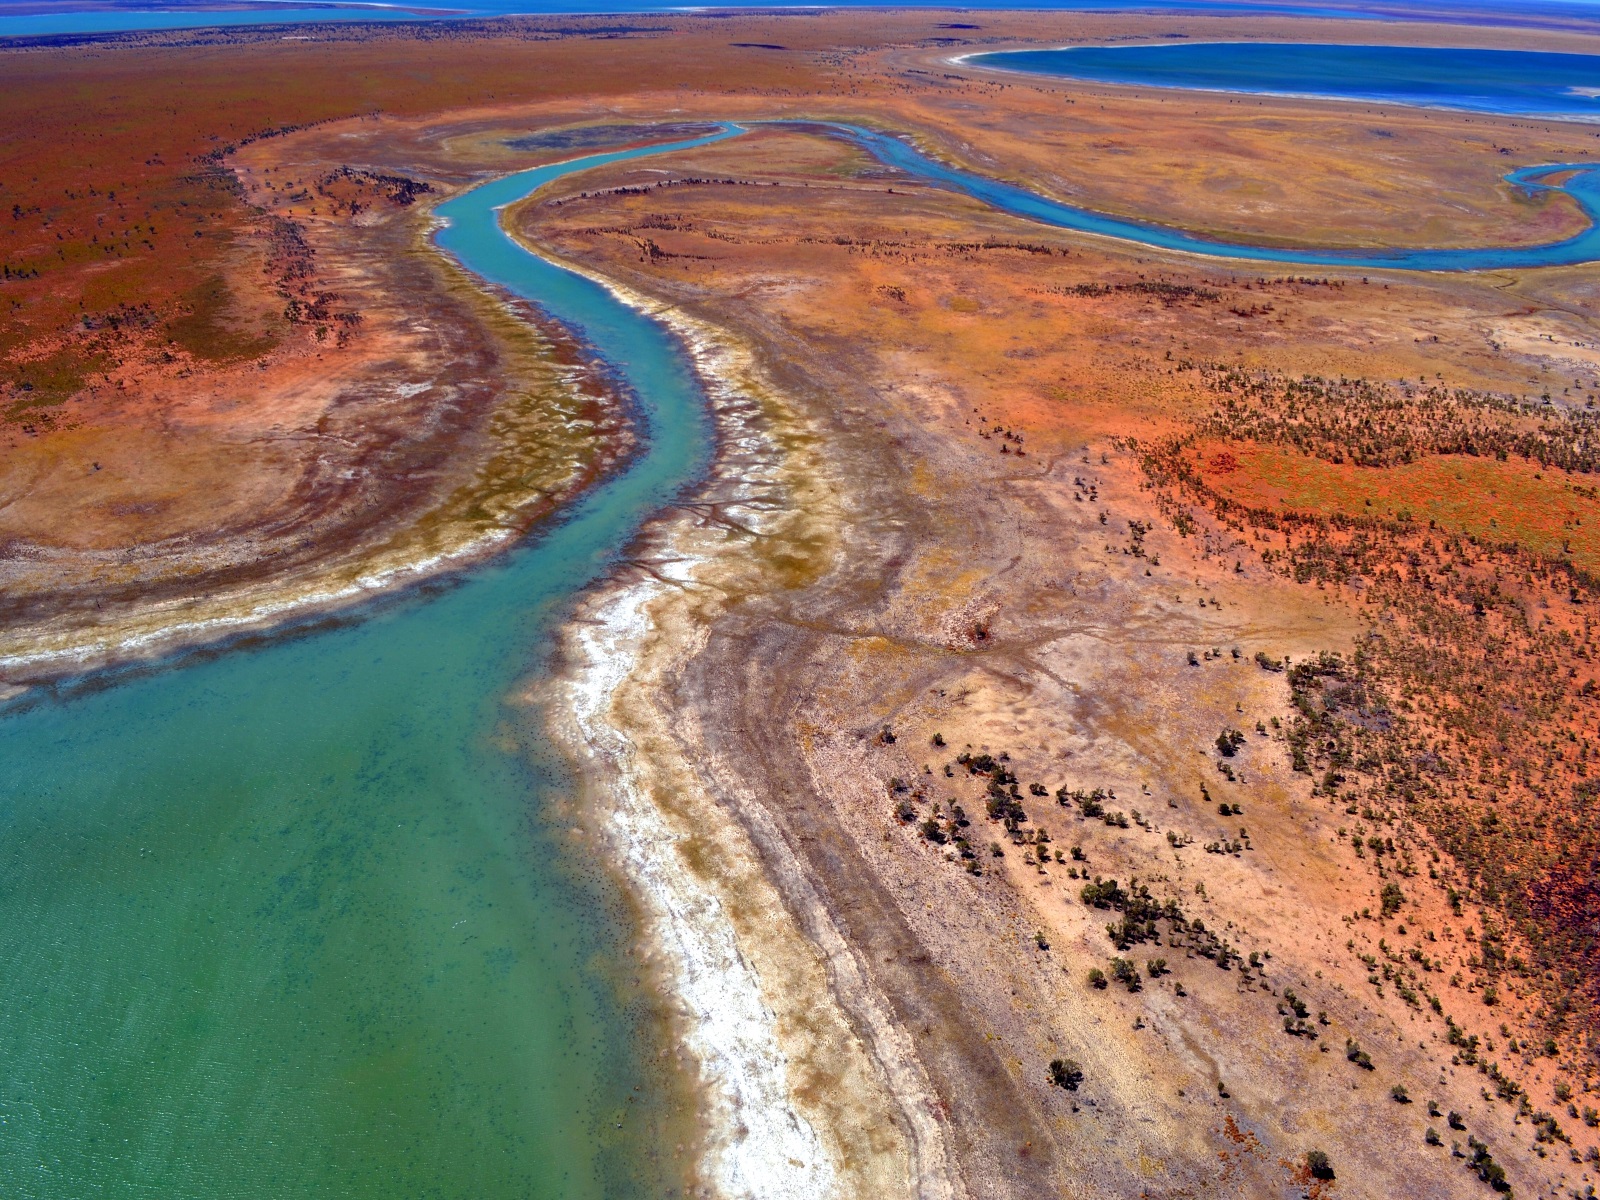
284	920
1581	182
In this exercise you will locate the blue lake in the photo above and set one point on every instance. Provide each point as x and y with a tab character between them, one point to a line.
1498	81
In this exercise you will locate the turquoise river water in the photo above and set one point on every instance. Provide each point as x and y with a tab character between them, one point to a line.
283	921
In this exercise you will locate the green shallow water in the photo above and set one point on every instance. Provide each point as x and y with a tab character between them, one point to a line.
283	921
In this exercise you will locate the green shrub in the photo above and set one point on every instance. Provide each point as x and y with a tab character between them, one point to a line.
1357	1055
1484	1164
1125	973
1392	898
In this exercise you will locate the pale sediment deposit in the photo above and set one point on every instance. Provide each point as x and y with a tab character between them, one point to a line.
807	1087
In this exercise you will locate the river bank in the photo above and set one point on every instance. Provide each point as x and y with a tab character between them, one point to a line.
808	1089
421	449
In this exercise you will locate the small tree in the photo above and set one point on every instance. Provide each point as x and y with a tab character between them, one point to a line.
1124	972
1392	898
1228	742
1097	978
1319	1166
1066	1073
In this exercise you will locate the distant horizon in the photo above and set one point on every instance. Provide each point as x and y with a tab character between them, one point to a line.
65	18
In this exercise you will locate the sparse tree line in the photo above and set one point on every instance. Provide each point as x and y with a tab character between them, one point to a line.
1464	728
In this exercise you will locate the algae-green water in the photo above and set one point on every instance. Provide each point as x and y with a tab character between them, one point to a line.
284	920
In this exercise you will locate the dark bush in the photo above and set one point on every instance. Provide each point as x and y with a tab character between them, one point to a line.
1392	898
1484	1164
1066	1073
1125	973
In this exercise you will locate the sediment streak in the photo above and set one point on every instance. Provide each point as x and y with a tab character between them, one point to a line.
808	1088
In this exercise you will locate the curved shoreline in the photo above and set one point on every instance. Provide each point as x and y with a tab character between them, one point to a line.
441	540
967	60
756	988
799	1062
149	632
1583	188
